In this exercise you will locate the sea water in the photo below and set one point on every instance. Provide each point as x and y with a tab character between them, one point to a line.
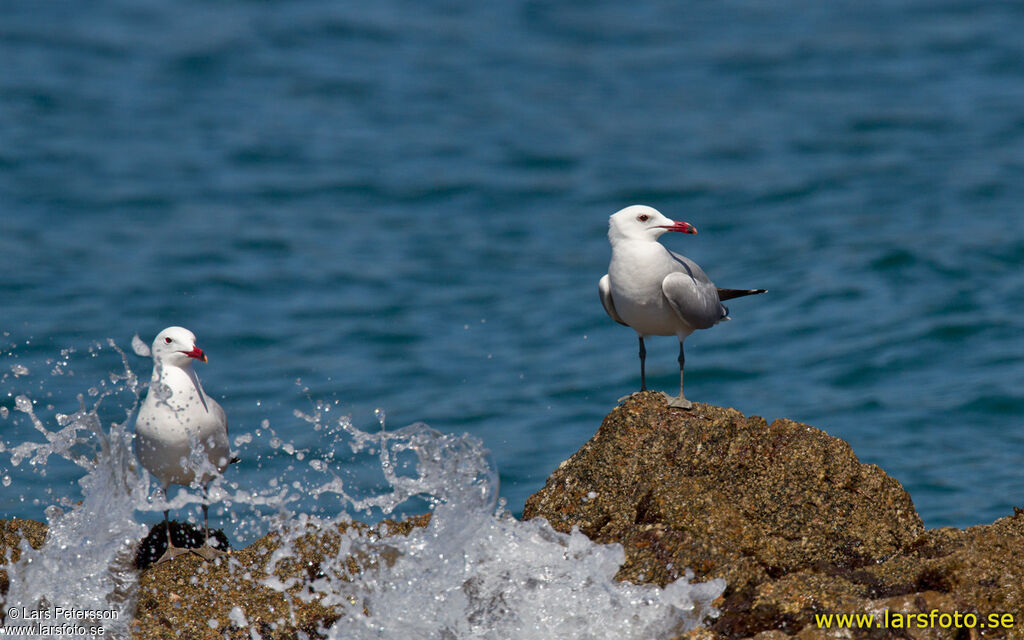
474	571
403	205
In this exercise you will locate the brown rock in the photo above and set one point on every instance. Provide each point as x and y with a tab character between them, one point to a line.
12	532
726	495
786	514
190	598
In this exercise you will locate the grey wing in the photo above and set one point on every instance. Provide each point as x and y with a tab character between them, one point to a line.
689	267
694	300
221	416
604	287
218	413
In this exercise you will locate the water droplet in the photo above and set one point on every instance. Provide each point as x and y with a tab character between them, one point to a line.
381	416
23	404
19	370
6	480
139	347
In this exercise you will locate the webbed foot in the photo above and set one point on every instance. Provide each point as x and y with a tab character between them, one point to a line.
171	553
208	552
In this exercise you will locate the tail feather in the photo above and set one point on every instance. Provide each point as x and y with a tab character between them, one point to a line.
729	294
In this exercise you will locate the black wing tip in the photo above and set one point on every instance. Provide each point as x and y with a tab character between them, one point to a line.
729	294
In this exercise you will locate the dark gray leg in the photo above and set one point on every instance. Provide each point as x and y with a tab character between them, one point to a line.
643	358
171	552
680	401
206	551
643	373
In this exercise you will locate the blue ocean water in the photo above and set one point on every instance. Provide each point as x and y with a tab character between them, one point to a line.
402	206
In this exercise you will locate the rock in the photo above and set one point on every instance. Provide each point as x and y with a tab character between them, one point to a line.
12	532
726	495
785	513
200	600
190	598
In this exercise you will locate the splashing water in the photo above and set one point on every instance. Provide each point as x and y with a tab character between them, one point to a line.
473	572
86	562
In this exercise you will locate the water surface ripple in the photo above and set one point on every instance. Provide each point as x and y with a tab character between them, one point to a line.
403	205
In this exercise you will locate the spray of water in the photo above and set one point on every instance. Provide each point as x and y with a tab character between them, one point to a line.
473	572
86	562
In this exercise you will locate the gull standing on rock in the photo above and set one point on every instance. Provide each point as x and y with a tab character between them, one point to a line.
655	291
177	415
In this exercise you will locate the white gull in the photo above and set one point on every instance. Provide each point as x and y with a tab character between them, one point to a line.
657	292
176	416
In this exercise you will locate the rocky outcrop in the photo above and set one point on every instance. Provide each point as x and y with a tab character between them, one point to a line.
787	515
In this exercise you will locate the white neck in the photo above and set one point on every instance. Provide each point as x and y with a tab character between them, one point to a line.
179	378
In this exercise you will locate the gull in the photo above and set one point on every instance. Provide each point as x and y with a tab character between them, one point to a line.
177	417
657	292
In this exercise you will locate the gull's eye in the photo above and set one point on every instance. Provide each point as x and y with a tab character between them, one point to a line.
643	217
167	340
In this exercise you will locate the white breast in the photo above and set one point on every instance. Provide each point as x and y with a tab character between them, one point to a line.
176	415
636	272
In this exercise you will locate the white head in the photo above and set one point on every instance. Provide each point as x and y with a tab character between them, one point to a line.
176	346
640	222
